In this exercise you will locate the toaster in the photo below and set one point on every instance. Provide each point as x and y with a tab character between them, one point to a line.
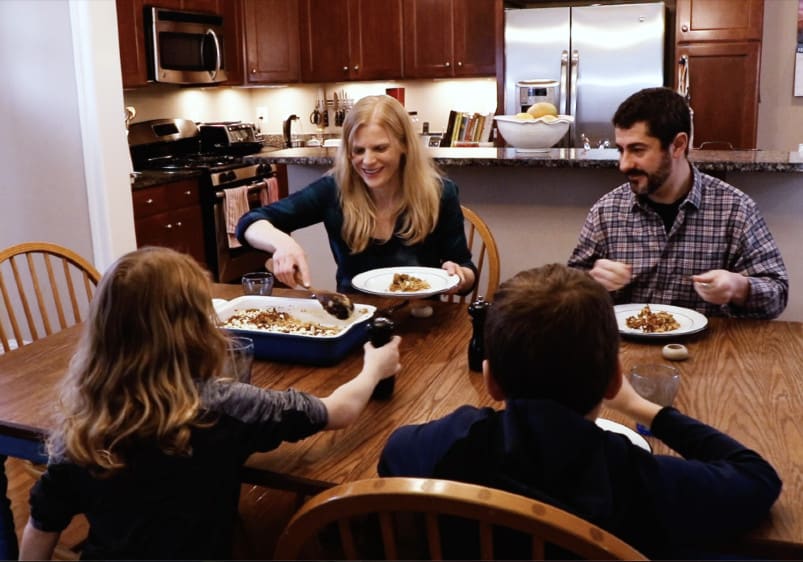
229	138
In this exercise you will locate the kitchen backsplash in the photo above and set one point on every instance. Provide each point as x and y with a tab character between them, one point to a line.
431	99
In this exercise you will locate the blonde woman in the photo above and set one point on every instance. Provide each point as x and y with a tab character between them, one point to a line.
383	204
150	441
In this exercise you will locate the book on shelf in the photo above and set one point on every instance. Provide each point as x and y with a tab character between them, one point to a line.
463	127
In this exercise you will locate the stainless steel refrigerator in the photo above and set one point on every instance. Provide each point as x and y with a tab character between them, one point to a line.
598	54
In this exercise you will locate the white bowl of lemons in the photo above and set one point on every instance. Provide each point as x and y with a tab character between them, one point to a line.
536	130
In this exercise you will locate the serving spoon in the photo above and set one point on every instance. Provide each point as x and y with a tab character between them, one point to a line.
336	304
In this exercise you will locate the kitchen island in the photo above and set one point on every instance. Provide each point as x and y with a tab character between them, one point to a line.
535	203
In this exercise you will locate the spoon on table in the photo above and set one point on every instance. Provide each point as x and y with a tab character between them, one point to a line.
336	304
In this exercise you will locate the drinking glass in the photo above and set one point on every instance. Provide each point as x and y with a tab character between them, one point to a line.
239	358
657	383
258	283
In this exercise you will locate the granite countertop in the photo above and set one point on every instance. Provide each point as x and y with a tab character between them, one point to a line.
150	178
706	160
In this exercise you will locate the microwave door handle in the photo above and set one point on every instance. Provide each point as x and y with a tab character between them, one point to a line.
564	63
213	73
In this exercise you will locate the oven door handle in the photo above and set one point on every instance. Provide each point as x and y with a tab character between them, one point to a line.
261	184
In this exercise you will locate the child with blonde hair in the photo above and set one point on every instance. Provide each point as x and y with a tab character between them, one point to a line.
149	440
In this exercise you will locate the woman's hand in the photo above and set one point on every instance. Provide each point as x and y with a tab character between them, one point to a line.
465	275
290	264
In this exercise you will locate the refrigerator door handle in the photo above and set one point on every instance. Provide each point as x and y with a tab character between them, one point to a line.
575	63
564	83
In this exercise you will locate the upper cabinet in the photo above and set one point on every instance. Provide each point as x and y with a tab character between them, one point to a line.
715	20
450	38
718	49
271	41
131	35
347	40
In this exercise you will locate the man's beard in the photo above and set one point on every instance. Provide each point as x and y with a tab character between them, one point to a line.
655	180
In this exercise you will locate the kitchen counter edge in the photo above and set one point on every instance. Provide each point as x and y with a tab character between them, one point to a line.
706	160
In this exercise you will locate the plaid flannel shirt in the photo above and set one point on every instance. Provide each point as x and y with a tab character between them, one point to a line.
717	227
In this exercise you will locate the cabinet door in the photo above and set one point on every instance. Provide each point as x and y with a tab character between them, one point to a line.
428	38
324	40
475	34
187	232
375	39
131	36
271	39
719	20
723	89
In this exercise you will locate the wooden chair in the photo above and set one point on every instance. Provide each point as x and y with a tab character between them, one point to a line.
437	502
45	288
483	249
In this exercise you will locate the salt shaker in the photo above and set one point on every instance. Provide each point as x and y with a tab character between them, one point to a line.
476	346
380	331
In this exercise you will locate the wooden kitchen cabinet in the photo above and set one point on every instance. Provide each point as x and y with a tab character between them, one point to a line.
131	35
719	20
169	215
450	38
723	92
721	43
271	41
350	40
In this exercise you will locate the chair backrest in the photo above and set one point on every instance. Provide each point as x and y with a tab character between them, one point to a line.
485	253
45	288
436	502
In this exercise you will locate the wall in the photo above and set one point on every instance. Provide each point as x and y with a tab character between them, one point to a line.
43	191
431	98
780	114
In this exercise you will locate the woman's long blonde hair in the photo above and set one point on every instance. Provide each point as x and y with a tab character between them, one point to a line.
421	181
150	336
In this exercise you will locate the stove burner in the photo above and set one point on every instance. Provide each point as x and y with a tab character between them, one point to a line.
189	161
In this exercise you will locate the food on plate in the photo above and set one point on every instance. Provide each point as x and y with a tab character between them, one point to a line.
407	283
652	322
542	108
524	116
273	320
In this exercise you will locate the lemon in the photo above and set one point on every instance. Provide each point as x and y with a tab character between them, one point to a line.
548	118
524	117
542	108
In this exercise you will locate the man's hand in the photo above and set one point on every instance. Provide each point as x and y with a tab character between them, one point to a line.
719	286
465	275
611	274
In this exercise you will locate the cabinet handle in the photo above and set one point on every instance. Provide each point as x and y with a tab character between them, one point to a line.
188	192
148	201
345	69
448	64
253	71
684	27
356	67
168	226
459	63
178	223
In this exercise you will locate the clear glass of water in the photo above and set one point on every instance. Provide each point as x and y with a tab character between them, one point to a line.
258	283
657	383
239	359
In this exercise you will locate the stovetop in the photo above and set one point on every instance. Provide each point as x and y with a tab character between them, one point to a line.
196	161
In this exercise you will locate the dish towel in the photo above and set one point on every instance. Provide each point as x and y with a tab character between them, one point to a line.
272	191
235	205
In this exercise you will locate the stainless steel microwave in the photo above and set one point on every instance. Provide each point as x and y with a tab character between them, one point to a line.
184	47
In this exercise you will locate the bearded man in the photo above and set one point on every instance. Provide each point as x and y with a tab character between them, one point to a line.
672	234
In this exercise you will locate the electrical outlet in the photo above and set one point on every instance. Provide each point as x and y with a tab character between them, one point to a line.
262	114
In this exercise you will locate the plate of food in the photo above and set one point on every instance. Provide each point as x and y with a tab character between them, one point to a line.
405	282
635	438
658	320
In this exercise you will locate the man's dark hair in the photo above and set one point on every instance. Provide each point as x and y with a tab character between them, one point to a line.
551	333
665	112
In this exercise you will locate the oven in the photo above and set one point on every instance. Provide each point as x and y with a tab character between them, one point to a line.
170	146
229	264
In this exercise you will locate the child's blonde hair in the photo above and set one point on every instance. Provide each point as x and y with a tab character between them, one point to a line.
150	338
420	179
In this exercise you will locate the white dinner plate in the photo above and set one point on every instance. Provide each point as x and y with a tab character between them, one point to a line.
377	281
635	438
690	320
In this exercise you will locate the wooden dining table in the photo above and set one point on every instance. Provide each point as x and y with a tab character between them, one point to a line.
744	377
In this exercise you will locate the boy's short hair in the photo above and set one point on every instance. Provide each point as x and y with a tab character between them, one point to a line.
665	112
551	333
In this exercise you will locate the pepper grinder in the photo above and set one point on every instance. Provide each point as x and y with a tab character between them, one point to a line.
380	331
476	346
